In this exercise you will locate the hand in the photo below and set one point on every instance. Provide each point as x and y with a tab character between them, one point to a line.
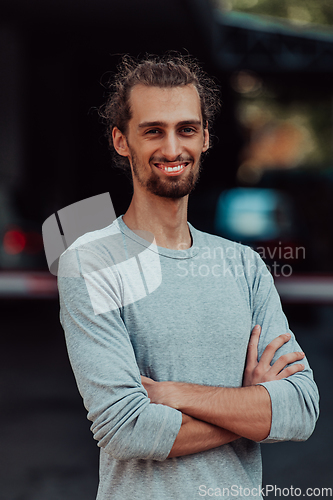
256	372
161	392
148	384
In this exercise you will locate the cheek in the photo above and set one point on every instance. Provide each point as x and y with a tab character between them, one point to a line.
200	149
140	151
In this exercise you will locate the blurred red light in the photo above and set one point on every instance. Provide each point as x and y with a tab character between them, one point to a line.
14	241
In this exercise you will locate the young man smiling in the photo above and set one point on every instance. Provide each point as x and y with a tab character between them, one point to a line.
164	143
178	389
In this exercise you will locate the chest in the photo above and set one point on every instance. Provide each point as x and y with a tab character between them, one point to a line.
193	328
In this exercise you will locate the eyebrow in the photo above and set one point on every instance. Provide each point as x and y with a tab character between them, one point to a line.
163	124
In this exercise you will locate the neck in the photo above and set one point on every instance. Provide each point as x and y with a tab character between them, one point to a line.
165	218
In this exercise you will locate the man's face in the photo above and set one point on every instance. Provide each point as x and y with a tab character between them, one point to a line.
165	139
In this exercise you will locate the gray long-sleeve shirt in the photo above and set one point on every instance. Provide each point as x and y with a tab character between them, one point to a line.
128	308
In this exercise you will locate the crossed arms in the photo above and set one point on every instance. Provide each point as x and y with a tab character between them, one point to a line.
213	416
126	424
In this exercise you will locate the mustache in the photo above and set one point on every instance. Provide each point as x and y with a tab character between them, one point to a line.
179	159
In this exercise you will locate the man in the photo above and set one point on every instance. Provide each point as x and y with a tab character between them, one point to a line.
159	330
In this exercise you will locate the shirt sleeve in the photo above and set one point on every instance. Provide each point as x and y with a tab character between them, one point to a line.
124	422
295	400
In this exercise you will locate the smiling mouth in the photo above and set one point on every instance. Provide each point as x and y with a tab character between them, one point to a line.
172	170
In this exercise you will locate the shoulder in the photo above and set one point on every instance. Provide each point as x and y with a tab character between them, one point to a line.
91	251
240	260
95	238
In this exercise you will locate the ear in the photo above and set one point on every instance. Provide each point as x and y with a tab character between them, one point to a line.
206	139
120	142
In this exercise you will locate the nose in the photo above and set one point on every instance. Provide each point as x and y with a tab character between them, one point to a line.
171	147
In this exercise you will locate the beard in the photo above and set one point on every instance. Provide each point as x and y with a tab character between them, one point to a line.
169	187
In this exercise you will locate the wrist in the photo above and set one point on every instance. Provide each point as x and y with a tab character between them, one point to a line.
172	394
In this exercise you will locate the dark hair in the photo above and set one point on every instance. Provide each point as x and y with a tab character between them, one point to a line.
166	71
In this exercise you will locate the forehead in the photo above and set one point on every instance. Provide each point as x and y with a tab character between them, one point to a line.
173	104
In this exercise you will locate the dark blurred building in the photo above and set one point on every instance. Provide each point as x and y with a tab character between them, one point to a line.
54	57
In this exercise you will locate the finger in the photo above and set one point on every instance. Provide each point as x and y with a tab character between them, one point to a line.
272	347
285	360
252	348
290	370
146	380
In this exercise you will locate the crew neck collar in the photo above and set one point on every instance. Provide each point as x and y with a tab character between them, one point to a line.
166	252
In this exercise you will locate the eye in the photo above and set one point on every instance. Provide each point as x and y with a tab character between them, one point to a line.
152	131
188	130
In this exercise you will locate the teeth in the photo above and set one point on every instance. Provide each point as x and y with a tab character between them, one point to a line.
173	169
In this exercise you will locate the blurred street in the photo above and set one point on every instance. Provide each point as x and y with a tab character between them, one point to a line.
47	449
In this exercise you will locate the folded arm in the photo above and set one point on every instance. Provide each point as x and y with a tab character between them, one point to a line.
244	411
124	423
279	399
195	436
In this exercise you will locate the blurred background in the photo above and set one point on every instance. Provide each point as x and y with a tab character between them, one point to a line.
267	182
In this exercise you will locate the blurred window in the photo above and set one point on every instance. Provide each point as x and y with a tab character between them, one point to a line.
252	214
